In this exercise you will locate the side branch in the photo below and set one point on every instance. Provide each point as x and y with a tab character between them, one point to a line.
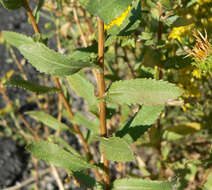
67	106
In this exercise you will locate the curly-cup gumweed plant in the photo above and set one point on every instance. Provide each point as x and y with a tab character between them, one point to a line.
125	102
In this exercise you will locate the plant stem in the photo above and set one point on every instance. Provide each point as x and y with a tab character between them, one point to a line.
35	162
76	128
32	18
159	127
206	176
101	88
76	18
160	30
100	78
56	175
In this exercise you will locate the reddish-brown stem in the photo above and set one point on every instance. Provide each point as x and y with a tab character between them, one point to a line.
32	18
101	88
29	127
206	176
76	128
160	30
100	78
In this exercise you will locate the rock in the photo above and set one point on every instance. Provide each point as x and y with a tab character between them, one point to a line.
13	161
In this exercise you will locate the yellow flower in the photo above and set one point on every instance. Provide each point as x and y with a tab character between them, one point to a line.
186	106
196	73
203	1
188	83
178	32
119	20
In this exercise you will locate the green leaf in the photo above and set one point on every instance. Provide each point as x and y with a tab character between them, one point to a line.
125	112
33	87
82	87
50	62
87	181
58	139
53	154
12	4
167	4
131	133
146	36
147	115
186	128
142	91
16	39
106	10
80	119
116	149
141	184
83	53
49	121
139	123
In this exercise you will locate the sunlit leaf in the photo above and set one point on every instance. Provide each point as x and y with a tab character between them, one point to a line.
68	147
82	87
49	121
142	91
141	184
186	128
147	115
53	154
116	149
79	119
47	60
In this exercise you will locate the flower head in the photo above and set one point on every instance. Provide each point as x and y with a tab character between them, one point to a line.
178	32
203	1
202	47
202	53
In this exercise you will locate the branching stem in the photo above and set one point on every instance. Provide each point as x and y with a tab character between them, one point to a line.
67	106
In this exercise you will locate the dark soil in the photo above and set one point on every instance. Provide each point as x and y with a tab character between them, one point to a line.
13	160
